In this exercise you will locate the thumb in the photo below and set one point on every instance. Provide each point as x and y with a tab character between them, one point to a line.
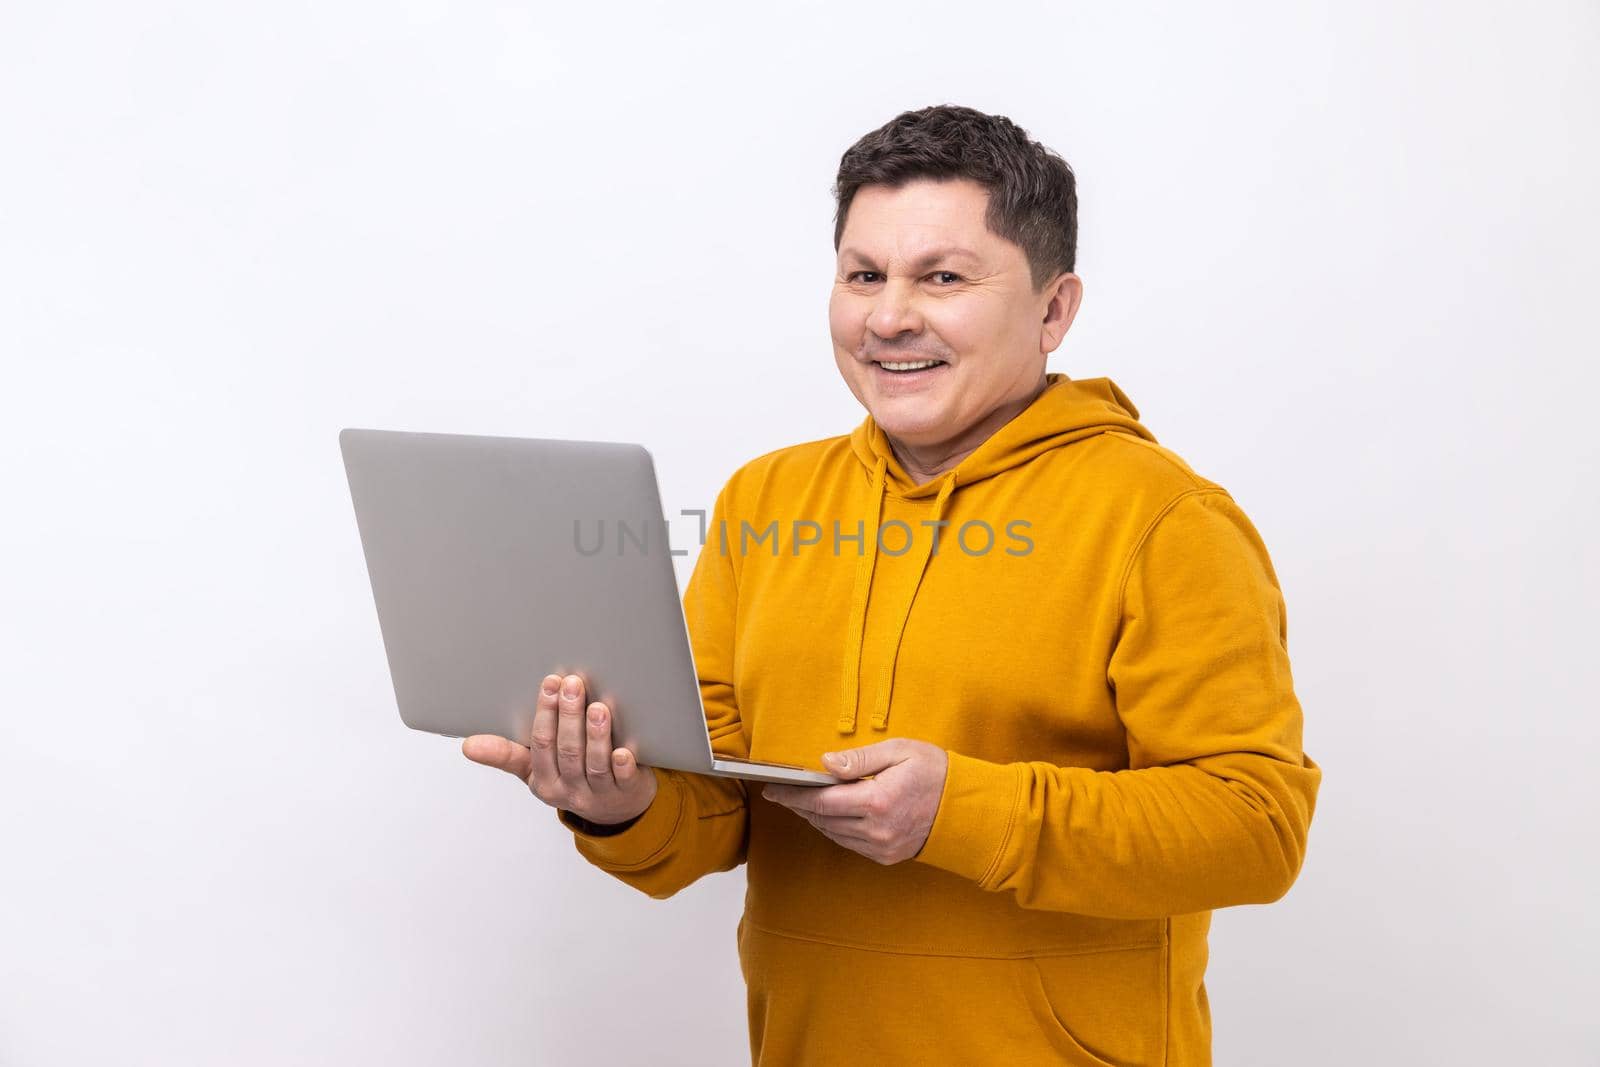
494	751
868	759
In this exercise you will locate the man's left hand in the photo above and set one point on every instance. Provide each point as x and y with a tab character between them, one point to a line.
886	819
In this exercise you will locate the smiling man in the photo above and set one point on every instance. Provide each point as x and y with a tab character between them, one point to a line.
1047	657
954	347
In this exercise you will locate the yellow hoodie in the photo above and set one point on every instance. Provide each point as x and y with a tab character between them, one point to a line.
1099	642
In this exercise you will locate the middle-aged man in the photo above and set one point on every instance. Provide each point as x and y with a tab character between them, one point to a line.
1049	658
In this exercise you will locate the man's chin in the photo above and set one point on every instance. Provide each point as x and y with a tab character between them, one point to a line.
912	420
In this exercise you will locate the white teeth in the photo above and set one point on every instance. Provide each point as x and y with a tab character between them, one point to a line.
918	365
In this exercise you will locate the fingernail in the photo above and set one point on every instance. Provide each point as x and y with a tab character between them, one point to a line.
571	686
597	715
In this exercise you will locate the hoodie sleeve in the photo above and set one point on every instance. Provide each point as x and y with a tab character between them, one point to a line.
1216	804
696	824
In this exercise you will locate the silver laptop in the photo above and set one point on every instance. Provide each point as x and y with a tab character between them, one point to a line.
497	560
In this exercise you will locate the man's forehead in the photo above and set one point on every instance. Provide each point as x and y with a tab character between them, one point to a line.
918	218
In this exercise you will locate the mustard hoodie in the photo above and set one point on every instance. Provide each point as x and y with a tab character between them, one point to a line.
1096	636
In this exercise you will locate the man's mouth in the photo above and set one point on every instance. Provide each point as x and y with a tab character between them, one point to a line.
908	366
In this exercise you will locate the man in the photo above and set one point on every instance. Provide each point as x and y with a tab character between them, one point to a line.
1048	658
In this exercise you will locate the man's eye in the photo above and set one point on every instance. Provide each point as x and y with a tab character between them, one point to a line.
954	277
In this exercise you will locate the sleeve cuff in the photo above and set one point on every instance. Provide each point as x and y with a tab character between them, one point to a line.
977	811
596	829
646	836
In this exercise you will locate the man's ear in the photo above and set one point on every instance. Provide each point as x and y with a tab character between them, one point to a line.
1063	295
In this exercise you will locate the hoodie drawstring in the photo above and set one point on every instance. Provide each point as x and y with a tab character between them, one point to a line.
856	625
880	712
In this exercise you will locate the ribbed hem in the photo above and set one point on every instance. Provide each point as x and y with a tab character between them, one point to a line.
977	811
639	843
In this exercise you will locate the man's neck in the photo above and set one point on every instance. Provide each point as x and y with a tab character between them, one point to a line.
925	463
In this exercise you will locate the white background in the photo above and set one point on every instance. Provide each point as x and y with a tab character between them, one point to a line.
1342	257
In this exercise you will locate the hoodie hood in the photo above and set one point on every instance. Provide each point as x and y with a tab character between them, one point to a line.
1065	411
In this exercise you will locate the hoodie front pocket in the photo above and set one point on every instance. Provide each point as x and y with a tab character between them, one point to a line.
1102	1009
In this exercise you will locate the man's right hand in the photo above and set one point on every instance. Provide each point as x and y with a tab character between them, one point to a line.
570	764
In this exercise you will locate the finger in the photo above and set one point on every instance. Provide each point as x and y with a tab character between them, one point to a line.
839	831
493	751
866	760
626	770
854	798
843	825
543	742
569	732
597	752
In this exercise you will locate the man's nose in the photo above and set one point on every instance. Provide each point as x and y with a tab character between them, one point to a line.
894	311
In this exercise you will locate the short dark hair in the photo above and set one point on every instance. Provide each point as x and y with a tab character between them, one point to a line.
1033	196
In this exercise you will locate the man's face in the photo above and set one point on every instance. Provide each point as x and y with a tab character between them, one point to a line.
921	277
